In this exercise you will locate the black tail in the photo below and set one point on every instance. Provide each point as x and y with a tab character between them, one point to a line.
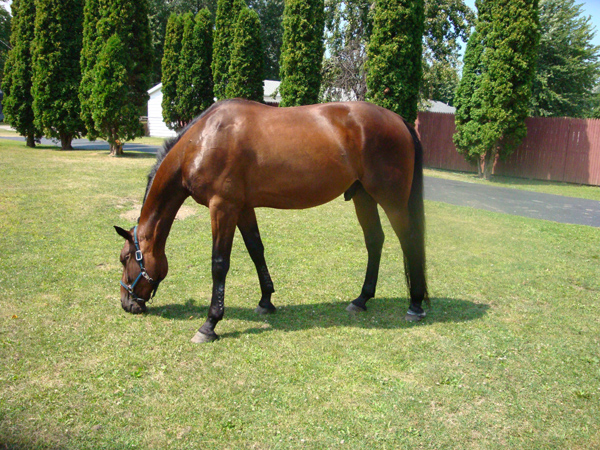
414	254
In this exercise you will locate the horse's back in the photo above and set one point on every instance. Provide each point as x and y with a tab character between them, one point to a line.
296	157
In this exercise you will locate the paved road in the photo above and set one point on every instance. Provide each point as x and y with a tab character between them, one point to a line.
514	201
491	198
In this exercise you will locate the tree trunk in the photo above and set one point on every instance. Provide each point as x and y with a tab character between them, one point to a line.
30	140
65	142
116	147
490	159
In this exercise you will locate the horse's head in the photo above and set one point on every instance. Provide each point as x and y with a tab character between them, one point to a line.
142	273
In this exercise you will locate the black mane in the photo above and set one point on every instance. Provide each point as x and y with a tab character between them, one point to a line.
168	145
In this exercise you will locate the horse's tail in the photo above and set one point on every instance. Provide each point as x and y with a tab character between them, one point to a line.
414	254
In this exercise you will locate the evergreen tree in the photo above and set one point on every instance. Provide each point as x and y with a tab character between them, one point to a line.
108	91
5	24
509	33
194	82
56	71
246	68
568	63
301	52
90	48
227	13
468	105
170	72
128	19
18	101
394	66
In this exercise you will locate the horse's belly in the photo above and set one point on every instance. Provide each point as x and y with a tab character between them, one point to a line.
291	189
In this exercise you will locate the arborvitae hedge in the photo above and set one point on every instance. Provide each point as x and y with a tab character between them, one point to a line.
301	52
194	81
16	85
395	51
246	69
227	14
170	72
56	70
108	91
90	49
498	105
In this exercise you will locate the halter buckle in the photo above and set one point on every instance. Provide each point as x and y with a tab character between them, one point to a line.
138	255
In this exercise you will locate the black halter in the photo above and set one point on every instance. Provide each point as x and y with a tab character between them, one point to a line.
140	259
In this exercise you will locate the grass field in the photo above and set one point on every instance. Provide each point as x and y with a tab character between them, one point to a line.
508	357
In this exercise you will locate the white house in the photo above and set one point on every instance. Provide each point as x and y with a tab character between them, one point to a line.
157	126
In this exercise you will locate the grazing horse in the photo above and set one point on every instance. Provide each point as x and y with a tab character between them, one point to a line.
240	155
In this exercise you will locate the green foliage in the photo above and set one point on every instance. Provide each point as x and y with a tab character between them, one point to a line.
246	70
395	56
492	122
56	71
110	87
5	24
159	12
128	20
270	13
170	71
567	65
227	13
301	52
194	81
91	47
18	72
468	105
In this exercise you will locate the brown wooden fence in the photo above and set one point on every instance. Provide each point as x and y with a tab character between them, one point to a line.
557	149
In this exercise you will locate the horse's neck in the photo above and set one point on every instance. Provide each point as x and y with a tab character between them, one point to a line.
164	199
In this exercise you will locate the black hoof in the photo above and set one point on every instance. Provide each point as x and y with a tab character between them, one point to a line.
355	308
201	338
261	311
413	316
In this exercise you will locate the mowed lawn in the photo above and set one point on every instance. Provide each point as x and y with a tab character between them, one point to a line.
508	356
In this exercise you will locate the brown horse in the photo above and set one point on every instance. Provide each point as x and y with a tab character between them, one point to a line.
240	155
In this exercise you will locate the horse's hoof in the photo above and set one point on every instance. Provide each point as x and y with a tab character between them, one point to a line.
263	311
355	308
201	338
414	317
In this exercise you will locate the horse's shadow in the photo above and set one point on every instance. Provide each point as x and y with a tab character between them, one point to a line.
383	313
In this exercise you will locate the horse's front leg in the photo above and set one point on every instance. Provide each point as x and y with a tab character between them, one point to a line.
224	218
249	229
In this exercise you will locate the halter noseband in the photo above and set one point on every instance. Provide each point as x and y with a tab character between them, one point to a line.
140	259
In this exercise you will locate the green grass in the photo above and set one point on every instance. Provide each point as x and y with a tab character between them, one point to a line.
508	356
547	187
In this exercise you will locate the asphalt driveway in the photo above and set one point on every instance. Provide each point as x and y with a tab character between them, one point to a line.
514	201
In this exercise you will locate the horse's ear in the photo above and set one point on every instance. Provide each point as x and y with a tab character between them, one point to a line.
124	233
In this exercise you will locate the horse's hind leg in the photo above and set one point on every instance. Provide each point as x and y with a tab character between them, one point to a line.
249	229
413	247
368	217
223	220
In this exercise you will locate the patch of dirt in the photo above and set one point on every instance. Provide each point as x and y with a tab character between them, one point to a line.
132	215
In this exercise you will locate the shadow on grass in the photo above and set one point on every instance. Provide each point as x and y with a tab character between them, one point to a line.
382	313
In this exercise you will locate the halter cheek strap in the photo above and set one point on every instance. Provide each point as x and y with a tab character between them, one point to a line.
140	260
